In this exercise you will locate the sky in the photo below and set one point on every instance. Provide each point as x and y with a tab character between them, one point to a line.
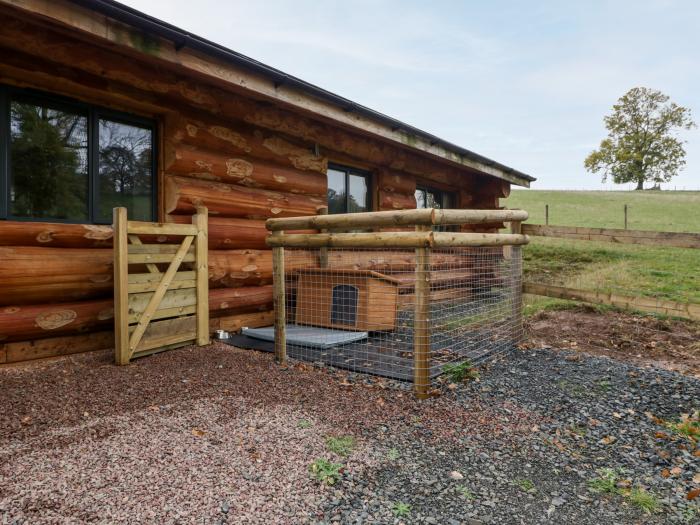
524	83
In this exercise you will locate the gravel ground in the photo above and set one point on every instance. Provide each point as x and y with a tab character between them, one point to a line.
221	435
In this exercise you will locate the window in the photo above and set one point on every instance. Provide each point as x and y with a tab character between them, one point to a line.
348	190
65	161
431	198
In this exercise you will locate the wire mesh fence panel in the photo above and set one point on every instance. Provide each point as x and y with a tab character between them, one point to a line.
417	315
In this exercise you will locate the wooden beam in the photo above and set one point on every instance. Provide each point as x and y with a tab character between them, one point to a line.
121	286
395	218
394	240
279	302
201	266
648	238
644	304
421	320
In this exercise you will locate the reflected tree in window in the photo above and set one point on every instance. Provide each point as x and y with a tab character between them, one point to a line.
48	163
125	167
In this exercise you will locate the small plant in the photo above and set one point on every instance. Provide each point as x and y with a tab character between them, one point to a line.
304	423
644	500
459	372
393	454
401	509
341	445
688	426
525	484
465	492
326	472
606	482
604	385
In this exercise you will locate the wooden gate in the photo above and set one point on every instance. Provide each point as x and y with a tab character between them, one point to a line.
158	305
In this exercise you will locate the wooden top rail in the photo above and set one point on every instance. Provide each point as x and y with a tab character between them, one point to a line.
395	240
648	238
422	217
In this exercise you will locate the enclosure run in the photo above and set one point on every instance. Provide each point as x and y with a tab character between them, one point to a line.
161	122
434	302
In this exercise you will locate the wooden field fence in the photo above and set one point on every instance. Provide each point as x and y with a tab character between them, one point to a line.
156	310
657	239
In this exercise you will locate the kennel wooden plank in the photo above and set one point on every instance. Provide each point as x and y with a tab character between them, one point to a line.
157	248
138	302
167	332
166	312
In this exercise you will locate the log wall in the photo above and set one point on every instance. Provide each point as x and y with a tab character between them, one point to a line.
246	160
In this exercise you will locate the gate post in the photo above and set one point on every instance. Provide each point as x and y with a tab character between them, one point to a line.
279	301
121	286
200	220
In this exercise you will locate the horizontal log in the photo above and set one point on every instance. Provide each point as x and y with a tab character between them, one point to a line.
56	346
395	240
231	233
21	323
644	304
395	218
246	171
396	201
183	195
32	275
233	323
395	182
23	233
236	268
618	236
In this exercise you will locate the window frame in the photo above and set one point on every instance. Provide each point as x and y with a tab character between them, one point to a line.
93	114
348	170
437	192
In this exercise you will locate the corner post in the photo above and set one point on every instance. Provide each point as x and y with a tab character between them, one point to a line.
421	321
517	284
200	221
323	252
279	301
121	286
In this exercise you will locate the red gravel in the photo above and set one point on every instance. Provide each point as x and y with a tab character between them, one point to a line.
171	437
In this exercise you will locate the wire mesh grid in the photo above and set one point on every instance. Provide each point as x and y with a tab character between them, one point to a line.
361	309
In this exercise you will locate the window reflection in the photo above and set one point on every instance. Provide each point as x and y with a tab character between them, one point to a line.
48	162
124	170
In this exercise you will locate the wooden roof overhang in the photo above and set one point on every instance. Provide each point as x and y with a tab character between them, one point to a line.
307	111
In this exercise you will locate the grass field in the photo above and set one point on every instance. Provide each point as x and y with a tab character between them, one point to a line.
665	273
647	210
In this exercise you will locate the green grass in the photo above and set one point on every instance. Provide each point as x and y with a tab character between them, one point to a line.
458	372
525	485
647	210
644	500
325	472
400	509
671	274
341	445
606	482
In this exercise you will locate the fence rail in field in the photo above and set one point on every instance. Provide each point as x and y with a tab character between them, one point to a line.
616	236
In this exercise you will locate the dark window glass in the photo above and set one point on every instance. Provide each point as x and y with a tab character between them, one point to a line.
48	162
430	198
125	169
336	191
348	191
344	306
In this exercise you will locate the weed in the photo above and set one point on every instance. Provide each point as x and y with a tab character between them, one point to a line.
304	423
465	492
459	372
525	485
341	445
604	385
578	430
393	454
401	509
688	426
326	472
606	482
644	500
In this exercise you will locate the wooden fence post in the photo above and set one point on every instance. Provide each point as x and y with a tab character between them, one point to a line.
201	221
121	287
625	216
516	272
323	251
546	214
421	321
279	303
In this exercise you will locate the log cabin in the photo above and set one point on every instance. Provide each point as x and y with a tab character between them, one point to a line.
103	106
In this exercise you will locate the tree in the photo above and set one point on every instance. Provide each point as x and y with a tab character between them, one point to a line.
642	145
